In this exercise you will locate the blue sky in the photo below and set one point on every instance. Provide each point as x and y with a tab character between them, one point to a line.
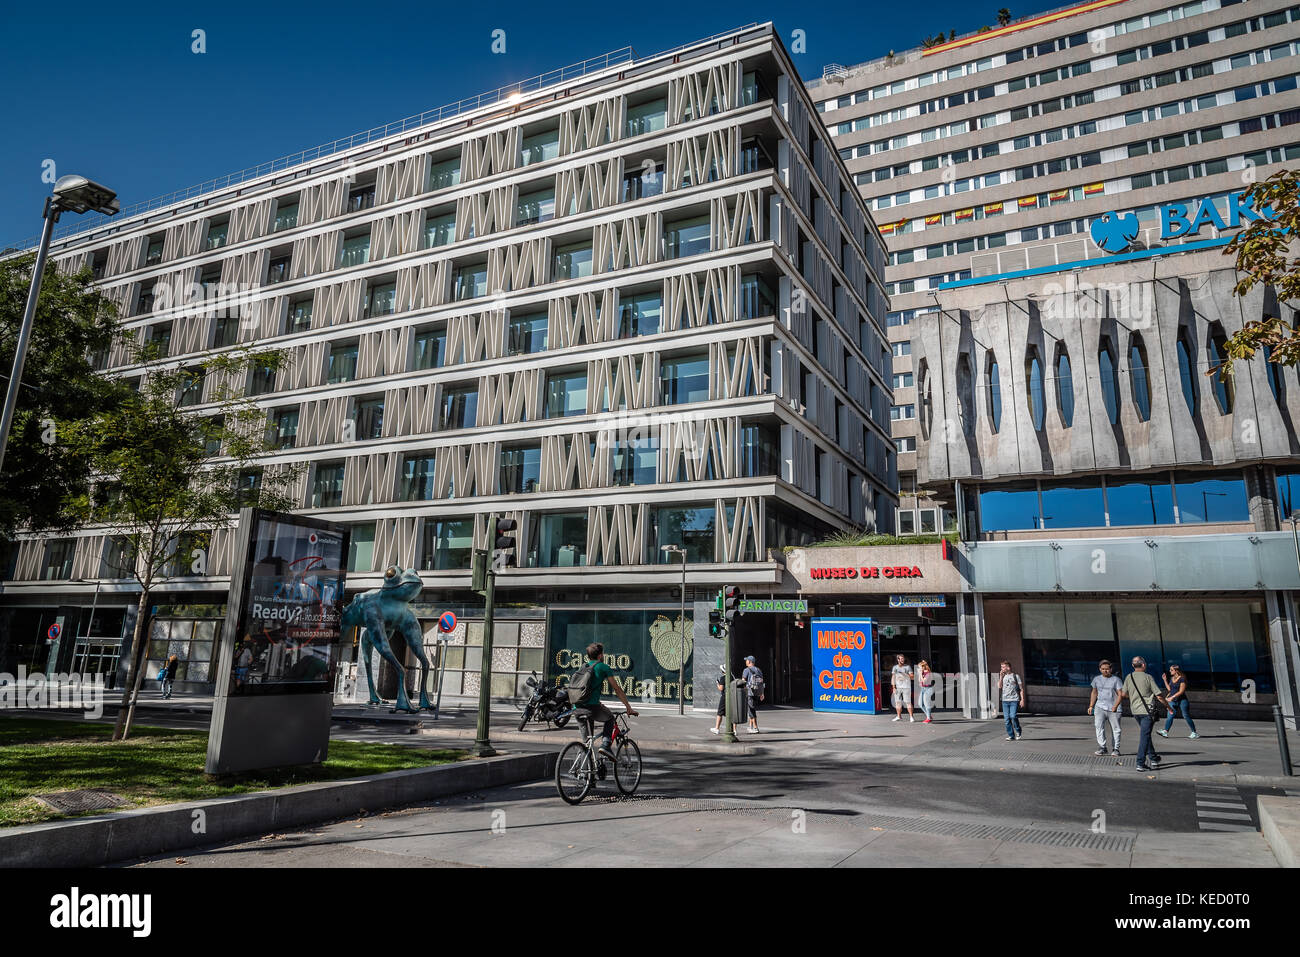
123	99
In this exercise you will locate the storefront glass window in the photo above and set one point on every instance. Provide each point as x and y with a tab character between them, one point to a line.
1221	498
1140	502
1234	651
1182	630
559	540
1011	507
1138	627
1073	505
642	646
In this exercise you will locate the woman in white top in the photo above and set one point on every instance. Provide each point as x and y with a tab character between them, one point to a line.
925	679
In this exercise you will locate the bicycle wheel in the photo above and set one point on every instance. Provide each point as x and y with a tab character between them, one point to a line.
573	772
627	766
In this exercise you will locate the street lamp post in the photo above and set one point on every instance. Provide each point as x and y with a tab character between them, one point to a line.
681	660
74	194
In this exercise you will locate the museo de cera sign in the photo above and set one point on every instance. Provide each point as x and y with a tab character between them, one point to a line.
844	665
883	569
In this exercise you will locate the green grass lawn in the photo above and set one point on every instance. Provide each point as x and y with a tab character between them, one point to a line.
156	765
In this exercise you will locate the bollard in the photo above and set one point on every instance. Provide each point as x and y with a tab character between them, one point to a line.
1282	746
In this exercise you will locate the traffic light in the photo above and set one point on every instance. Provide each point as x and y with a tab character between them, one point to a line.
715	623
503	544
730	599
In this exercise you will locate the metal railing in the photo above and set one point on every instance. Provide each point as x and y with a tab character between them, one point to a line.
504	94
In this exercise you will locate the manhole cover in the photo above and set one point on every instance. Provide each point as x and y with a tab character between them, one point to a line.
78	802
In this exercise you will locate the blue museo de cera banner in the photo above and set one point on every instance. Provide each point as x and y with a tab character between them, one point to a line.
844	665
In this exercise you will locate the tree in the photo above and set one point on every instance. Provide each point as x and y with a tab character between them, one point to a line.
170	476
1004	17
1266	253
45	479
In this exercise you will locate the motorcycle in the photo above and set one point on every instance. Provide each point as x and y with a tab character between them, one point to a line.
548	703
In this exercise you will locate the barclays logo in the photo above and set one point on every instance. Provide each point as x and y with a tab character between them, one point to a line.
1114	233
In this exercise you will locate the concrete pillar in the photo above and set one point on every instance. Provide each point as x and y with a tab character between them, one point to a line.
705	660
972	653
1284	646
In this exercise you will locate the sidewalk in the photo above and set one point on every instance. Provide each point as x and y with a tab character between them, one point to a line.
1241	752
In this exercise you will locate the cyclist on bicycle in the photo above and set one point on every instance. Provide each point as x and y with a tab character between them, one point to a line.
600	673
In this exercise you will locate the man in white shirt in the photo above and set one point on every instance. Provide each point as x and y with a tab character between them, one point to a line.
1104	706
900	677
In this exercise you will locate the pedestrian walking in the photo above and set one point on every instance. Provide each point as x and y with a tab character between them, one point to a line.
900	679
1104	707
1142	693
756	690
722	698
1013	699
926	683
169	675
1176	686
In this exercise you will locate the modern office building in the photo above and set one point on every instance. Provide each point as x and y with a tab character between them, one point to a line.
637	303
995	152
1057	196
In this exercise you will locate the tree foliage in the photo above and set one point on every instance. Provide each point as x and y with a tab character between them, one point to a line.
45	479
1266	252
167	476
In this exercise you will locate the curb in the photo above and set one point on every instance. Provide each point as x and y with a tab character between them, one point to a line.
145	832
1279	821
558	740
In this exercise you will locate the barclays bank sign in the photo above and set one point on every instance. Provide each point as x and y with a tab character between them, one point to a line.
1116	234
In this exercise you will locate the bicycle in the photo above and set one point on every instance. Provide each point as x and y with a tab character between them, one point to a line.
580	765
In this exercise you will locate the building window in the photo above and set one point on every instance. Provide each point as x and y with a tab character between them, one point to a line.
300	314
217	234
1211	498
58	559
286	216
1109	379
1140	501
471	281
439	229
1186	375
1274	374
153	255
1035	394
444	174
756	299
566	394
1216	349
540	147
381	299
906	519
639	315
430	345
649	117
535	207
558	540
691	529
447	544
687	238
285	428
327	490
342	363
261	380
417	478
759	451
572	262
521	470
685	380
356	250
993	382
459	408
635	461
361	197
527	333
277	270
370	417
361	547
226	332
643	183
1141	383
192	386
1064	387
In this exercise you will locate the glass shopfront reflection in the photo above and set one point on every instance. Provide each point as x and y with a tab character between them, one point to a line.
1218	644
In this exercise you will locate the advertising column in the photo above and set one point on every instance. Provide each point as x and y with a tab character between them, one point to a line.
844	665
279	647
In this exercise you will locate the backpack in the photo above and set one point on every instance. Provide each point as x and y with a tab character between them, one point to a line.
162	672
579	686
757	686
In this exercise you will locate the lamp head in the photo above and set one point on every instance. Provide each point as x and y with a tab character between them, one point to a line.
79	195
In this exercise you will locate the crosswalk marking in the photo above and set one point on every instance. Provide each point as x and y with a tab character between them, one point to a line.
1218	806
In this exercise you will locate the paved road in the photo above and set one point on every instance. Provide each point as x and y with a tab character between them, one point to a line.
716	810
